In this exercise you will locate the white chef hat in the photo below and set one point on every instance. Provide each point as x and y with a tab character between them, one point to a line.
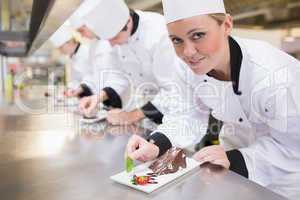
62	35
85	7
175	10
108	18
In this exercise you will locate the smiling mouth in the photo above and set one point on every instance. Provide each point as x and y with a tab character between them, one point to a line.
193	63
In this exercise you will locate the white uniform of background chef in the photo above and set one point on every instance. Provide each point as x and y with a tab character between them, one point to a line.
65	40
251	86
91	47
141	61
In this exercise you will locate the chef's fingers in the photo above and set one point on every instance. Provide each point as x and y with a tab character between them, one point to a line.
219	158
139	154
114	111
222	162
110	119
143	159
142	151
201	155
116	119
133	143
210	149
209	156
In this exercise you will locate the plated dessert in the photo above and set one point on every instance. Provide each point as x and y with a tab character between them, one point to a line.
170	162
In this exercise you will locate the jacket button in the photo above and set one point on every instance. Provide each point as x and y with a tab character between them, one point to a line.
241	120
205	80
123	57
141	75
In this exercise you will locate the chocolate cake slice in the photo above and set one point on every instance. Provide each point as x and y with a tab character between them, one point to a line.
170	162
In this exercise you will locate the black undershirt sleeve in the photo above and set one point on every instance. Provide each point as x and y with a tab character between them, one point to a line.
114	99
162	141
237	163
152	113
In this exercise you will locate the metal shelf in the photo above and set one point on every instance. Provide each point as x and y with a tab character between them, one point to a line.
46	17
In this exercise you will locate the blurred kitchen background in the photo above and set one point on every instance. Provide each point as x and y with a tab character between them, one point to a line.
29	64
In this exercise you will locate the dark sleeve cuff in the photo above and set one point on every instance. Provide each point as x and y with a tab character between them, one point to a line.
161	141
86	91
152	113
237	163
114	99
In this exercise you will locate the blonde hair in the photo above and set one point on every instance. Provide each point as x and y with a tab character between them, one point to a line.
219	17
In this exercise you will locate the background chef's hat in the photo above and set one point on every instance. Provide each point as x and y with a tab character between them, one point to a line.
108	18
62	35
175	10
85	7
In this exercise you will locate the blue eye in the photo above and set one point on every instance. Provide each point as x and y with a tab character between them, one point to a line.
198	35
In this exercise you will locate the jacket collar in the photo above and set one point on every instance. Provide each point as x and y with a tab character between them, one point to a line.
135	20
76	50
236	57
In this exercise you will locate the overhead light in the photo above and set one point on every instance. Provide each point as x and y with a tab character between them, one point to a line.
295	32
14	44
289	39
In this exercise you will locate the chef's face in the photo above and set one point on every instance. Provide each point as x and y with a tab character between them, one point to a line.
200	41
86	32
123	36
69	47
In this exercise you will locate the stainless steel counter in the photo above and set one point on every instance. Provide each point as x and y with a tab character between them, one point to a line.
52	157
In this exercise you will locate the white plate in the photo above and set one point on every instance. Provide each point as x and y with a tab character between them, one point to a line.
100	117
125	178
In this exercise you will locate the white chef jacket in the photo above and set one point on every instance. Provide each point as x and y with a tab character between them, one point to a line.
80	66
98	59
140	70
262	122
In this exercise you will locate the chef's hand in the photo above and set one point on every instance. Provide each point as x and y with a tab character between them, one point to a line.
140	149
119	117
88	104
213	154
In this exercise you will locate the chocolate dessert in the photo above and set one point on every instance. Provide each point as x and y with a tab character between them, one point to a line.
170	162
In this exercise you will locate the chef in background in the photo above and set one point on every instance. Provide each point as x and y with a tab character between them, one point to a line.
97	50
137	78
68	43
